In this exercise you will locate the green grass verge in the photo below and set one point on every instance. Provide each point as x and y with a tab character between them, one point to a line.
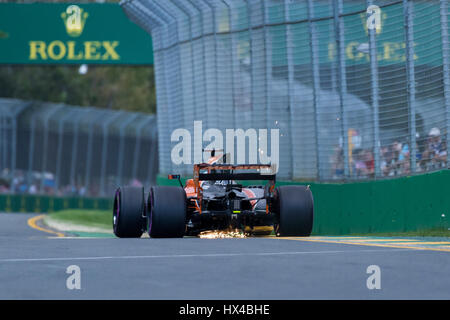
89	218
434	232
103	219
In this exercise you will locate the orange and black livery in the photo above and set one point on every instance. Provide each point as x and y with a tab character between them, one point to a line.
220	196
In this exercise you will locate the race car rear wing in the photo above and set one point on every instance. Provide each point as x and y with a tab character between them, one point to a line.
264	172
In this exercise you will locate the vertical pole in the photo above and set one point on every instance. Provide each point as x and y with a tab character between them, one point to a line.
103	163
203	56
87	175
3	164
73	157
316	81
197	143
250	37
268	63
191	48
446	69
409	35
31	150
123	126
5	140
1	138
44	153
153	153
45	147
137	147
59	148
2	132
216	73
339	29
232	52
155	10
14	145
333	61
290	67
375	96
105	150
170	79
14	126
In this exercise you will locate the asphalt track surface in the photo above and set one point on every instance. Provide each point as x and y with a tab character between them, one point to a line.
33	266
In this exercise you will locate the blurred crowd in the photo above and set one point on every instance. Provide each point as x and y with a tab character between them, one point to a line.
20	183
395	160
431	154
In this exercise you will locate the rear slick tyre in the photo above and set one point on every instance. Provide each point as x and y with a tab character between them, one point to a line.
128	211
295	206
166	207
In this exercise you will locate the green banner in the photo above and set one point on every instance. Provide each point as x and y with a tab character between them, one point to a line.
404	204
49	33
390	33
45	204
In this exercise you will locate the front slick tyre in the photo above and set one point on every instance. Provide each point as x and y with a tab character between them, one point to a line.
166	212
128	211
295	211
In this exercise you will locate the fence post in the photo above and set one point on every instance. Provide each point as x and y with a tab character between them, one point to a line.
45	147
214	119
62	121
375	95
166	15
123	126
137	147
73	159
232	52
339	29
158	19
87	175
446	69
13	117
250	46
203	55
6	128
333	59
14	144
105	126
1	138
31	150
154	149
196	143
2	134
316	81
290	84
409	40
268	63
191	48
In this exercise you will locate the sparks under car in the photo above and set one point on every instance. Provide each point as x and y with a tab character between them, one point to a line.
214	200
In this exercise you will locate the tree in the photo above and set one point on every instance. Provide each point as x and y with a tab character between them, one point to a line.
130	88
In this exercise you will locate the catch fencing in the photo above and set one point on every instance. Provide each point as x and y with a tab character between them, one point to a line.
351	100
61	150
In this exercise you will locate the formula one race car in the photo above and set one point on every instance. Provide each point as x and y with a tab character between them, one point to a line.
213	201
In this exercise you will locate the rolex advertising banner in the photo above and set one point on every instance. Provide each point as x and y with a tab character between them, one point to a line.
48	33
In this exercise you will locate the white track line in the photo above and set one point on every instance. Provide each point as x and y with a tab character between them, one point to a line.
212	255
